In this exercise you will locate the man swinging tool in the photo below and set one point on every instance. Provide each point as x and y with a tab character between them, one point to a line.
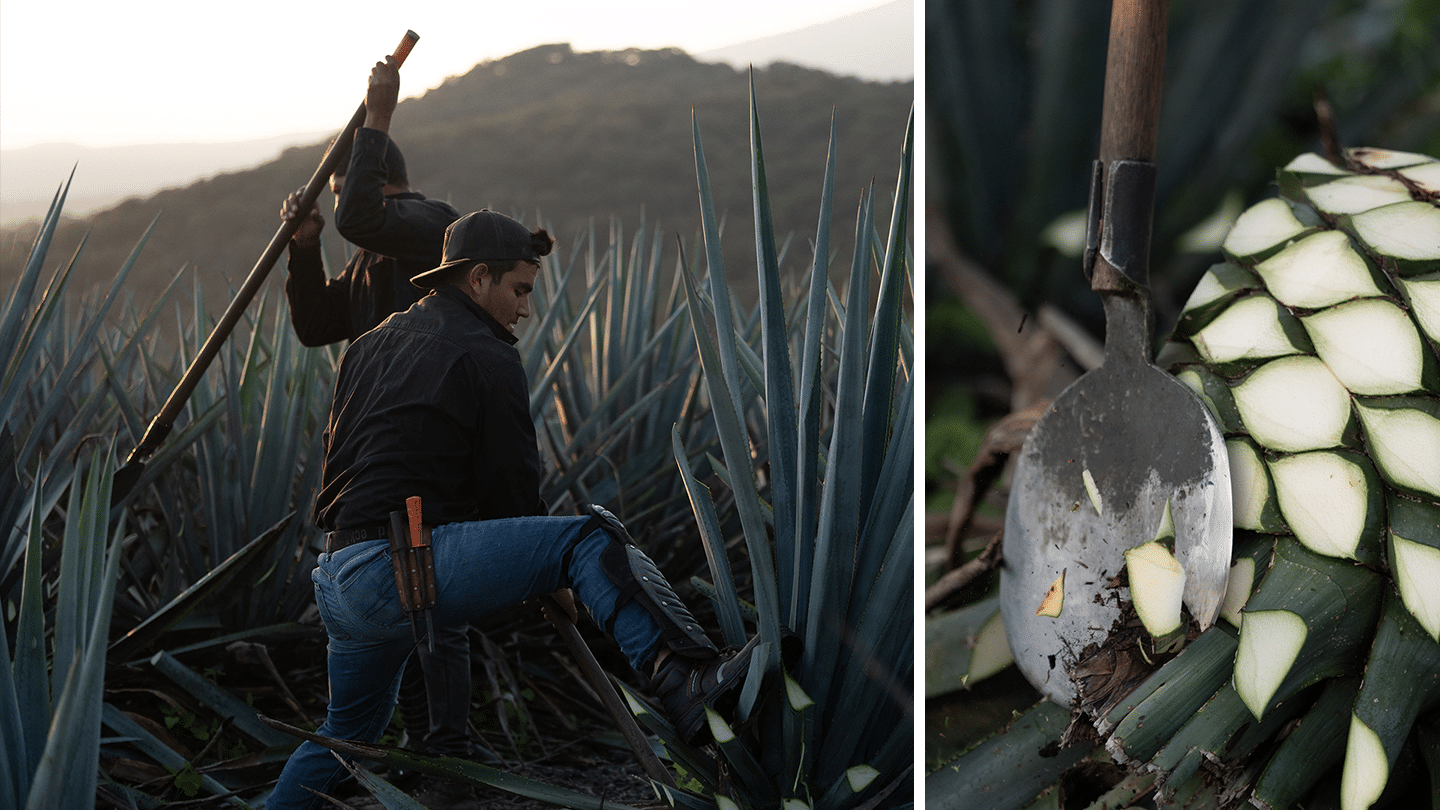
398	233
434	403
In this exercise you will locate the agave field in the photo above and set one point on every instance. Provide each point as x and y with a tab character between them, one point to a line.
763	452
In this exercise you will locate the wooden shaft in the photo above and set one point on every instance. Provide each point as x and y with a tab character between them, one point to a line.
1134	74
629	729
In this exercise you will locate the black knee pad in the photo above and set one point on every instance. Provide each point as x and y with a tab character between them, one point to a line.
639	580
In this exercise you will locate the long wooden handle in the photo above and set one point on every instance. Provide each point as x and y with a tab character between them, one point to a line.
159	428
1134	74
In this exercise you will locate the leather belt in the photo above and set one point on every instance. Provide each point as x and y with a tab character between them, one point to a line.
340	538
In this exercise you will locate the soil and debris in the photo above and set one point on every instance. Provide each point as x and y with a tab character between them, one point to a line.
527	705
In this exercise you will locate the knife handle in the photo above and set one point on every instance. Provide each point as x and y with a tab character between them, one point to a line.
412	510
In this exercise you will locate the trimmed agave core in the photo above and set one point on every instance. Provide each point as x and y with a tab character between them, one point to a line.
1316	343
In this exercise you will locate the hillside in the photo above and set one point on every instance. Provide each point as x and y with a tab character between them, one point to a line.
577	137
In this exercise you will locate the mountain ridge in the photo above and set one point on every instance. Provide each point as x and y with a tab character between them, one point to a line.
577	137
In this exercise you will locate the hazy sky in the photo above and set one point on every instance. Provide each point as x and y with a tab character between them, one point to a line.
107	73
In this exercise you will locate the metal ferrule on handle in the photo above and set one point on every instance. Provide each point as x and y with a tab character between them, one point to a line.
1134	75
1122	197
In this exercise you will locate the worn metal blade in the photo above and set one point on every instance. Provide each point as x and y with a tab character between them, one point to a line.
1144	439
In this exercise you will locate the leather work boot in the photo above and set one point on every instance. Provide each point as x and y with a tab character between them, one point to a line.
685	686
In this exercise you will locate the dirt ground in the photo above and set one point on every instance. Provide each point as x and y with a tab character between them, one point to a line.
613	778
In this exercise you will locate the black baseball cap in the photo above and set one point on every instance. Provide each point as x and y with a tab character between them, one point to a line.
482	236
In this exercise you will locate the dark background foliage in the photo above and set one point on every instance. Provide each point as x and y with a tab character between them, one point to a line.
1014	95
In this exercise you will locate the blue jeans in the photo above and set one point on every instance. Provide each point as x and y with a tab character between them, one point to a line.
480	567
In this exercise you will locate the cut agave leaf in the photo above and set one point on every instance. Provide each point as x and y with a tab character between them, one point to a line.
1251	556
1294	404
1406	233
1270	640
1054	600
1404	437
1320	270
1349	195
1370	345
1255	327
992	651
1313	164
1251	493
1415	558
1238	585
860	777
1401	676
1423	295
1157	583
1093	491
1222	283
796	695
1261	230
1417	569
1167	526
964	647
1377	158
1333	502
1425	175
1336	601
1366	768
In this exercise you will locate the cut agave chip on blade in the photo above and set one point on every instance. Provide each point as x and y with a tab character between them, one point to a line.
1156	584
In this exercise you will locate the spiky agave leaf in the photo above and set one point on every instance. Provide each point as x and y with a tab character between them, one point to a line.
60	772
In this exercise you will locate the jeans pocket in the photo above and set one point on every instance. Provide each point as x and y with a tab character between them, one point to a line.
324	586
364	594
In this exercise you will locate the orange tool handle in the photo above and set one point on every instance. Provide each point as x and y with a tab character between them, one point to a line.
412	509
407	43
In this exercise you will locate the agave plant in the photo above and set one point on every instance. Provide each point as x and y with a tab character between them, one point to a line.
50	700
1315	344
828	533
610	376
51	395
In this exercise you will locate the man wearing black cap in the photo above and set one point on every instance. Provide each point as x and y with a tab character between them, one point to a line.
434	402
398	233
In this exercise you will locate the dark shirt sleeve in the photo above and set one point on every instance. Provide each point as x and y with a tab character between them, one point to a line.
410	230
319	307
